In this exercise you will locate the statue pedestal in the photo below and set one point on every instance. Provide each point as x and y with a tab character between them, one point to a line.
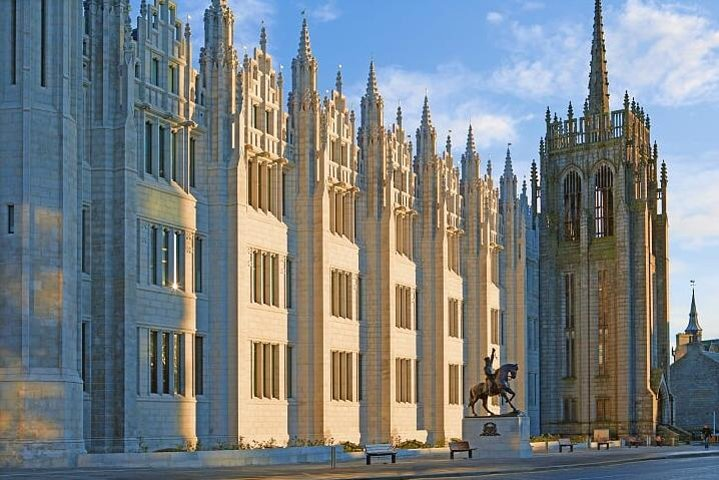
510	438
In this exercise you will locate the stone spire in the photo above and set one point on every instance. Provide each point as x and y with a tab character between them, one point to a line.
304	50
598	78
448	145
508	170
426	135
372	90
338	80
471	145
399	116
693	328
470	158
426	116
263	38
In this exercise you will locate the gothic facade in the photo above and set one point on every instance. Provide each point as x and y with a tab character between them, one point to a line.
604	266
194	256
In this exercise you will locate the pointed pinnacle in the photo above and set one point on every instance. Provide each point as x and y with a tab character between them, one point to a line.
471	146
598	78
372	90
304	50
426	116
338	80
399	116
263	38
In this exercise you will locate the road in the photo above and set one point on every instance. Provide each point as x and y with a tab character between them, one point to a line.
704	468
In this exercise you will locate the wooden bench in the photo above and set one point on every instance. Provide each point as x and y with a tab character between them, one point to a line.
602	438
380	450
461	446
564	443
632	441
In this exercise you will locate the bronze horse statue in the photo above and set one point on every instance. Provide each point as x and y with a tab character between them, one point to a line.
483	391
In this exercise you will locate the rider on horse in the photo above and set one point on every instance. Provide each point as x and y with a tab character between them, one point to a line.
490	373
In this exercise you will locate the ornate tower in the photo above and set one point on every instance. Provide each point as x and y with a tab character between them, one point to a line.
691	334
437	240
604	325
41	110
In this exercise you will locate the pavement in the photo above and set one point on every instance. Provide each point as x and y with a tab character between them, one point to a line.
656	463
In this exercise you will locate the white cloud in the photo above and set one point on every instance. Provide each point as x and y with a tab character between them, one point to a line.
495	18
326	12
665	51
450	111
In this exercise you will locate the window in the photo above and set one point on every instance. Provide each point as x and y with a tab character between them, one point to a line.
153	255
148	147
199	358
602	411
418	379
569	334
495	265
262	179
178	362
13	43
165	257
360	377
266	370
453	252
572	205
403	234
165	359
289	392
403	307
454	320
84	240
268	122
494	318
192	159
264	268
288	283
342	212
161	148
603	203
198	265
403	380
569	409
152	354
172	78
84	357
341	294
342	376
454	384
179	261
11	219
43	43
603	322
501	328
173	155
155	72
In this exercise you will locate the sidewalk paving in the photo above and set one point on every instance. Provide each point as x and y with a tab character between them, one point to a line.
426	467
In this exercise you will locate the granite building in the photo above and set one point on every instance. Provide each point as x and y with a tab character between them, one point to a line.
604	265
189	261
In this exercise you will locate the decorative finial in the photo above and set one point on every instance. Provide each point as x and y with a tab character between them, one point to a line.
448	146
399	116
263	38
338	80
626	99
570	111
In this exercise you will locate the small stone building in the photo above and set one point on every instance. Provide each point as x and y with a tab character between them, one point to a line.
694	378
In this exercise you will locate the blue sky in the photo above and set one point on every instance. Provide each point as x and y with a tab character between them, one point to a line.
500	63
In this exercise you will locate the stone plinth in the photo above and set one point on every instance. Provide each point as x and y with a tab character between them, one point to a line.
510	441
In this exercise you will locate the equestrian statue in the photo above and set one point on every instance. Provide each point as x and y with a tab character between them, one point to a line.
496	383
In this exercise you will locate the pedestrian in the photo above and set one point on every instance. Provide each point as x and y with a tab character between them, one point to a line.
706	434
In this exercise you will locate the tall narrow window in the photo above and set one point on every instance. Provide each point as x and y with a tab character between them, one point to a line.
198	265
454	384
43	43
165	362
192	162
148	147
165	257
173	154
288	283
11	219
84	356
199	358
155	72
569	332
179	261
572	205
360	379
178	364
494	319
603	202
172	78
161	139
153	255
266	370
342	378
289	392
603	322
152	354
13	43
84	250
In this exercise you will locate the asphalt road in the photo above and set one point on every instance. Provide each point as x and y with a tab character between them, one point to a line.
704	468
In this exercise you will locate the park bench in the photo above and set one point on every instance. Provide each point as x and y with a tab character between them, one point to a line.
564	443
632	441
602	438
380	450
461	446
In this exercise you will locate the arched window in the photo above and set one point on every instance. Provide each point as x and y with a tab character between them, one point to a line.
603	202
572	205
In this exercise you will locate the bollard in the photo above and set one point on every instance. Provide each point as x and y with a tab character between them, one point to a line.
333	456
